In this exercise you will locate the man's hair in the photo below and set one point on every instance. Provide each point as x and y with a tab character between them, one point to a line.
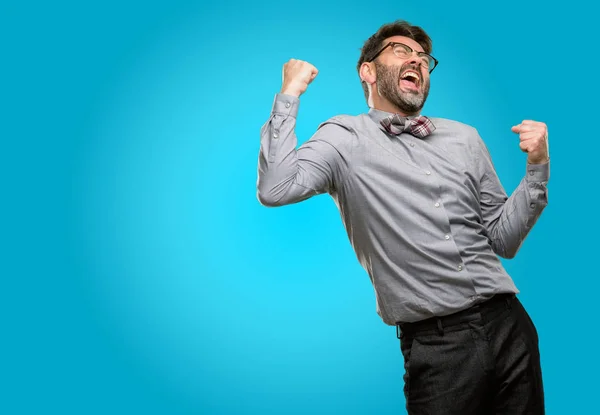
397	28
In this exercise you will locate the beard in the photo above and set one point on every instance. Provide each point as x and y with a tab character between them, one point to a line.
388	86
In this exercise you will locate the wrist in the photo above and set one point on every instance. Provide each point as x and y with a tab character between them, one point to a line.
540	160
290	91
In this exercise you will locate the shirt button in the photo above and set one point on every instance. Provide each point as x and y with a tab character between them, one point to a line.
532	205
437	204
412	144
287	104
531	172
275	135
427	172
460	267
447	237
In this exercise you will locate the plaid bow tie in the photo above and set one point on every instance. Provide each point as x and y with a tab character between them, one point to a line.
420	126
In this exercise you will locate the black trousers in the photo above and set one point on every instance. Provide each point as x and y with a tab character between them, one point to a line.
484	360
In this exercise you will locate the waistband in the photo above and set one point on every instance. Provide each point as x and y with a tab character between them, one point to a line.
484	310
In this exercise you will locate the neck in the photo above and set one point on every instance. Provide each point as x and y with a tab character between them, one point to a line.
382	104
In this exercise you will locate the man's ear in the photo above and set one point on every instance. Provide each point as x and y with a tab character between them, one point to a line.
367	72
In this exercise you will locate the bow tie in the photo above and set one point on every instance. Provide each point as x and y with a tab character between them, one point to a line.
419	127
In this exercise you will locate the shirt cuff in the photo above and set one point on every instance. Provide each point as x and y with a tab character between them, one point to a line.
538	173
286	105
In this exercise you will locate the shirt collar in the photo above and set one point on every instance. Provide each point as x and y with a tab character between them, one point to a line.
378	115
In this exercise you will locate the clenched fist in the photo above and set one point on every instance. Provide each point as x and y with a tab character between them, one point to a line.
296	77
533	136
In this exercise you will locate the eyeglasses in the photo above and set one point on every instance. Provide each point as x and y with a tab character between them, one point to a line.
404	52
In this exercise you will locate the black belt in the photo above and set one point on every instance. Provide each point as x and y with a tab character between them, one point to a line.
484	310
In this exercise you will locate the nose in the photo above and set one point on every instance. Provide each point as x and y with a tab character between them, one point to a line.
416	59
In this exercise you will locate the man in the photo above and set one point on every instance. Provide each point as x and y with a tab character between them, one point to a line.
428	217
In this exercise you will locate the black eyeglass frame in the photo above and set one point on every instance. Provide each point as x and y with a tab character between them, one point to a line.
420	54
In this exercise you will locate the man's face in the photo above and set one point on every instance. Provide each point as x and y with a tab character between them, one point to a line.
403	82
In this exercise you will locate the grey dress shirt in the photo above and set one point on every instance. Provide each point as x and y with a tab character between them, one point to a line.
427	217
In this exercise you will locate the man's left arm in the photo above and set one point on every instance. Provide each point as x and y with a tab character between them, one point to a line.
508	220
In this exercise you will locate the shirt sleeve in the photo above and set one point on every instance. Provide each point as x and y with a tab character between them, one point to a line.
288	175
508	220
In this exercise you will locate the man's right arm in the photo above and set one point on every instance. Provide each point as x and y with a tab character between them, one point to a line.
288	175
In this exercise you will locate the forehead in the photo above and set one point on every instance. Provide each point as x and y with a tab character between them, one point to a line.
406	40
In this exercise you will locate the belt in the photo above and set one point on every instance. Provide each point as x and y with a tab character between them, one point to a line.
484	310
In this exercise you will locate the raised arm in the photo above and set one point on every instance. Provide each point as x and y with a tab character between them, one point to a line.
288	175
508	220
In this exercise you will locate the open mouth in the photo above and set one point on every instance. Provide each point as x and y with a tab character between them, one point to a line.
410	80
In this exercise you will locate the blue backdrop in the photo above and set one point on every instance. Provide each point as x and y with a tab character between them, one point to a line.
141	275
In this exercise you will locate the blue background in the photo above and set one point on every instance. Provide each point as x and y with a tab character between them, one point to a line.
141	275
